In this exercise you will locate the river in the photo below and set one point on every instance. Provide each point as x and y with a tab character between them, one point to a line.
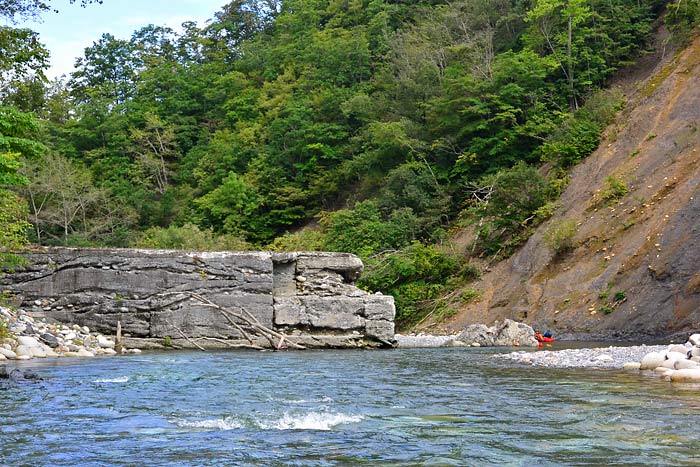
407	407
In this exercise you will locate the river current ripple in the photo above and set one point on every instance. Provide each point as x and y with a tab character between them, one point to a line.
406	407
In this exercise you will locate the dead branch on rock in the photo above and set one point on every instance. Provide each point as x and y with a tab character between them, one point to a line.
246	318
230	344
184	336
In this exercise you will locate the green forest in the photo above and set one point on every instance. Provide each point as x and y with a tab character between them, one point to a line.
377	127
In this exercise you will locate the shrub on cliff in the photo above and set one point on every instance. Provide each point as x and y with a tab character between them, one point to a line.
415	276
559	237
580	134
516	195
190	237
364	231
683	19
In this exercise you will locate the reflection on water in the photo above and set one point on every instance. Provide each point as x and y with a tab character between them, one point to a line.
422	407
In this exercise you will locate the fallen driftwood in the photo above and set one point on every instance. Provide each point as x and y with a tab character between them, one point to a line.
238	320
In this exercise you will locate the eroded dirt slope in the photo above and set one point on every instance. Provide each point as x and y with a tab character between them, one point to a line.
645	246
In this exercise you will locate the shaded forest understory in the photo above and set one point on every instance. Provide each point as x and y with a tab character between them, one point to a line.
375	127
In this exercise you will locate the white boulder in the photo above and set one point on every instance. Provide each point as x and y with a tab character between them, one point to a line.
23	351
7	353
37	352
686	365
670	363
28	341
686	376
652	360
105	343
676	355
85	353
677	348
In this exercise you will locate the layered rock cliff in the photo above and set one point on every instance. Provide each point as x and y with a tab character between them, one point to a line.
193	298
635	269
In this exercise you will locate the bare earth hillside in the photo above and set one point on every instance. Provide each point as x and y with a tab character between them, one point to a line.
636	267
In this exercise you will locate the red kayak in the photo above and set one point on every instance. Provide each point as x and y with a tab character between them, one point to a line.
543	340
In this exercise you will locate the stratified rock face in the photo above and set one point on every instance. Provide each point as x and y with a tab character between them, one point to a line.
155	294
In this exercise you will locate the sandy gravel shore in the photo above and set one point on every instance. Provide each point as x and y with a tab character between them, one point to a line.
604	357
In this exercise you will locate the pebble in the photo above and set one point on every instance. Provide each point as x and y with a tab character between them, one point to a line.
50	339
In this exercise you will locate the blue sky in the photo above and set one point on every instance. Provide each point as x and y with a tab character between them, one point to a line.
67	33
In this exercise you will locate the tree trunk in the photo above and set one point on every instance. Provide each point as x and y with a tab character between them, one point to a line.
570	63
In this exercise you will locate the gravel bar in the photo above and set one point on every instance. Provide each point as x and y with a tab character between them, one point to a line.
606	357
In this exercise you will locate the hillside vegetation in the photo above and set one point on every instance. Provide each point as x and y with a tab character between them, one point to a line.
375	127
619	256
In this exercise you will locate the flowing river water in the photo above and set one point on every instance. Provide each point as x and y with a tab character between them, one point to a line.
406	407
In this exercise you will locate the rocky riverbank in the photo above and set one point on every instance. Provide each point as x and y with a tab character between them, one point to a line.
508	333
674	362
23	338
